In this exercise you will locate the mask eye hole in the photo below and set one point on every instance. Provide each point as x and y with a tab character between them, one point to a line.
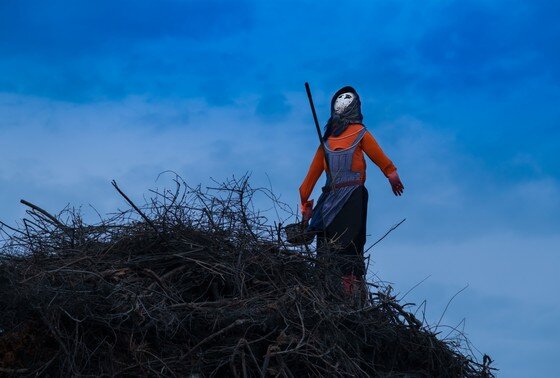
347	96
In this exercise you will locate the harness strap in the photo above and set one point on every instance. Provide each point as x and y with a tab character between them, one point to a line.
328	188
358	139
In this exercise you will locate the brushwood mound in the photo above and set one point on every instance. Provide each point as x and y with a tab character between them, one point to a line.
197	283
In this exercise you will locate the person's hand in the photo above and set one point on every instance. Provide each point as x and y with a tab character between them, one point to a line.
396	183
307	211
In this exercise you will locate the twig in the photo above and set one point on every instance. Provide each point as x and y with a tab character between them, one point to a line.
384	236
236	323
448	303
114	183
414	287
53	219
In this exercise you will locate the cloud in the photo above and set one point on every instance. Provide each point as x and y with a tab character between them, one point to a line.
67	147
61	144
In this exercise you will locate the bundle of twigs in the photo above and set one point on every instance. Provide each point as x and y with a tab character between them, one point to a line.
197	283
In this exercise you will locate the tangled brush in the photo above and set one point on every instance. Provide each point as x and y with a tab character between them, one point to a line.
196	282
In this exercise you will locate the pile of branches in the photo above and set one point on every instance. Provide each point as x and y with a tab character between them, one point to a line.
196	282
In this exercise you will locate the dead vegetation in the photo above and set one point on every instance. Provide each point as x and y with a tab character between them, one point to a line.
197	283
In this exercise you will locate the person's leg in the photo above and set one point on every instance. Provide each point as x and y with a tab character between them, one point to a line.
360	240
349	230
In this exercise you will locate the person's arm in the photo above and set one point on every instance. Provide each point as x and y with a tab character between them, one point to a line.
376	154
315	170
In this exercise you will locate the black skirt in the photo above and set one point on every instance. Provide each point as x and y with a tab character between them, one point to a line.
348	231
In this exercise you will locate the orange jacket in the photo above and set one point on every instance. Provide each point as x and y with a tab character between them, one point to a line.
368	145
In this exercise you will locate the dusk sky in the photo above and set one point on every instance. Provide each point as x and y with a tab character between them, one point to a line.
463	96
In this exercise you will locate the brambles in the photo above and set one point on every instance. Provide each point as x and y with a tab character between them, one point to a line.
197	283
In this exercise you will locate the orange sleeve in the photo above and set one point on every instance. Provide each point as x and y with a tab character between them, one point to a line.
376	154
315	170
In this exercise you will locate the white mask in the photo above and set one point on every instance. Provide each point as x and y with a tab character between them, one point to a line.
342	102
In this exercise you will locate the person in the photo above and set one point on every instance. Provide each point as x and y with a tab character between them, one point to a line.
340	216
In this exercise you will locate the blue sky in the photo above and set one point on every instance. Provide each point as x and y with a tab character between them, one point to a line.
462	95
